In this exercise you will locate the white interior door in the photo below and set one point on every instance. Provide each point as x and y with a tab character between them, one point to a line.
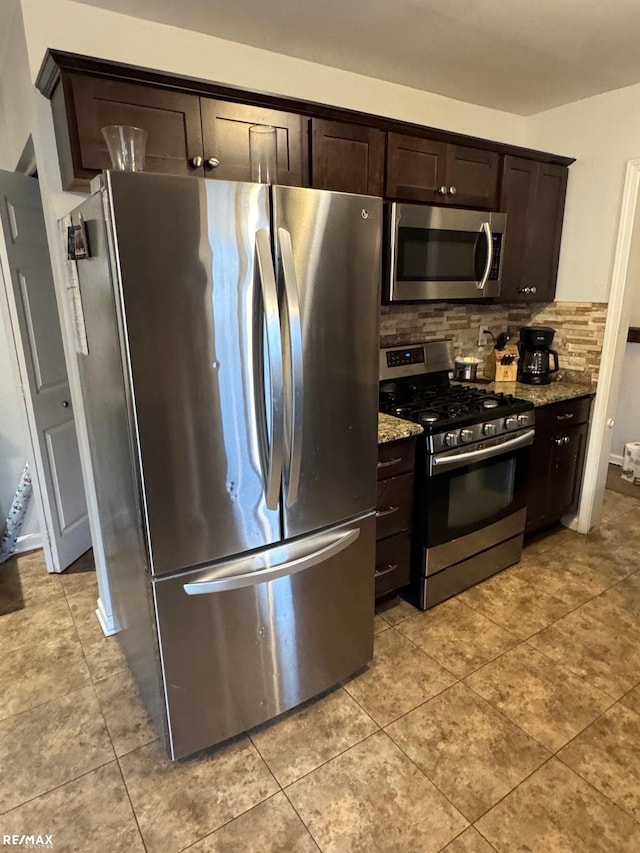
26	267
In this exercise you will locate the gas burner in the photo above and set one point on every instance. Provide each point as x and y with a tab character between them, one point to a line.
490	403
428	417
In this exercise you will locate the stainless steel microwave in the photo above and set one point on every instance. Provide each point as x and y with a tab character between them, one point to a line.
442	253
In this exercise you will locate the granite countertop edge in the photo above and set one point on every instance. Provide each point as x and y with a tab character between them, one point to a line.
391	428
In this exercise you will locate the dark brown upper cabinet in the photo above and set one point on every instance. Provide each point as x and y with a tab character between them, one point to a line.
225	130
533	196
347	157
435	172
87	104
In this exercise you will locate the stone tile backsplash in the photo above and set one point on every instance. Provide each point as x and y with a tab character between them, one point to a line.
578	340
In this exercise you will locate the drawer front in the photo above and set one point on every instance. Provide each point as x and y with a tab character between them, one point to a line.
392	563
394	508
567	413
396	457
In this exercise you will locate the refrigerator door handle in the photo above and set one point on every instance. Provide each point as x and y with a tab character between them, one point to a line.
271	453
295	341
289	567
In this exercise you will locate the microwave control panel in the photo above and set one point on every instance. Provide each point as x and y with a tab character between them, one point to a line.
494	271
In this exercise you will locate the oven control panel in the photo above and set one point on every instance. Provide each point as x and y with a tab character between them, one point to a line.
402	357
482	434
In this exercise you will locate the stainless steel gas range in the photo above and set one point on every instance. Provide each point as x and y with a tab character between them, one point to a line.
471	470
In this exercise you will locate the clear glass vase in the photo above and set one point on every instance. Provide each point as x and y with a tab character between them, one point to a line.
263	154
127	147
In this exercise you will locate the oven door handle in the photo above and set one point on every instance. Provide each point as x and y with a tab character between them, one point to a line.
442	463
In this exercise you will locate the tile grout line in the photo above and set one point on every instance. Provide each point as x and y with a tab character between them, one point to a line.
597	790
57	787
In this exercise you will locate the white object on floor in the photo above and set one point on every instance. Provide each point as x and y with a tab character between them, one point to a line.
15	519
631	462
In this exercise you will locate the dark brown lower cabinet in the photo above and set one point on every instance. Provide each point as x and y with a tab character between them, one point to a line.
557	462
394	514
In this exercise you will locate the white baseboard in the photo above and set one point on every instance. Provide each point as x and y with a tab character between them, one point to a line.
614	459
28	542
107	622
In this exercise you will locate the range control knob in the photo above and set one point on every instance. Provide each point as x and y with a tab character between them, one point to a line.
466	435
451	439
511	422
489	429
523	420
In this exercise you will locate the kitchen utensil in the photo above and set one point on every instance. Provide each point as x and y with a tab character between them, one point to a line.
466	368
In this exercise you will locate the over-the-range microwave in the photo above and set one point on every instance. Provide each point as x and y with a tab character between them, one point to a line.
442	253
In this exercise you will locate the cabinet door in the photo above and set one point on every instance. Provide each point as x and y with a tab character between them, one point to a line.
540	485
547	216
518	202
568	462
348	158
225	128
416	168
472	177
172	120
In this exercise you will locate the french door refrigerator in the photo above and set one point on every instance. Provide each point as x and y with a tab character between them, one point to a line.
229	380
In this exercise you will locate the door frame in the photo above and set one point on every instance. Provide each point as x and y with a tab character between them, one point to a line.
613	350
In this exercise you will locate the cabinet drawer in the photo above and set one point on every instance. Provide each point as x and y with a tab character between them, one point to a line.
392	563
396	457
394	508
566	413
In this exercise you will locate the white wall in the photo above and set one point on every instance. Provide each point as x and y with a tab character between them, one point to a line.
16	106
602	132
15	123
627	426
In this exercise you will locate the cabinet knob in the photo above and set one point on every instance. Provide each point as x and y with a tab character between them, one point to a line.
442	190
65	404
196	162
452	190
212	163
533	289
524	290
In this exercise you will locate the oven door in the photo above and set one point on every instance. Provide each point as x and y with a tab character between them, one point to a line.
468	491
440	253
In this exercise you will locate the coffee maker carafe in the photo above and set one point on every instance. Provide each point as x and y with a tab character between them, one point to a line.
536	355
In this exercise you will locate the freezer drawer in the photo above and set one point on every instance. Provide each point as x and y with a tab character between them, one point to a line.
247	639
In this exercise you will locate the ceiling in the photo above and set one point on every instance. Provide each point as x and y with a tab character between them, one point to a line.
521	56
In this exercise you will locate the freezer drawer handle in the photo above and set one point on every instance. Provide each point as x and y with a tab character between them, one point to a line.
290	567
271	456
297	372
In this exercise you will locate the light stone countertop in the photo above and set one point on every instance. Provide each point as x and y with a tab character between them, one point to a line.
391	428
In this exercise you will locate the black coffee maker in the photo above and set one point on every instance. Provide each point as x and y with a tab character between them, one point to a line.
534	364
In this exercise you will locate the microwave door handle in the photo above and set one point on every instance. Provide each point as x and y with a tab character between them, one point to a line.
485	276
297	364
271	456
455	460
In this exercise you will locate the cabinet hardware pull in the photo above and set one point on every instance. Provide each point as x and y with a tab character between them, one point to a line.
565	417
212	163
452	190
525	290
389	462
65	404
563	439
534	289
387	570
382	513
196	162
442	190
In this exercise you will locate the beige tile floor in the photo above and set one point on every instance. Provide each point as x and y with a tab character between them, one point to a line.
507	719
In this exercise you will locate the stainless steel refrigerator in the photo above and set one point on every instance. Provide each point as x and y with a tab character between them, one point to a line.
230	387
